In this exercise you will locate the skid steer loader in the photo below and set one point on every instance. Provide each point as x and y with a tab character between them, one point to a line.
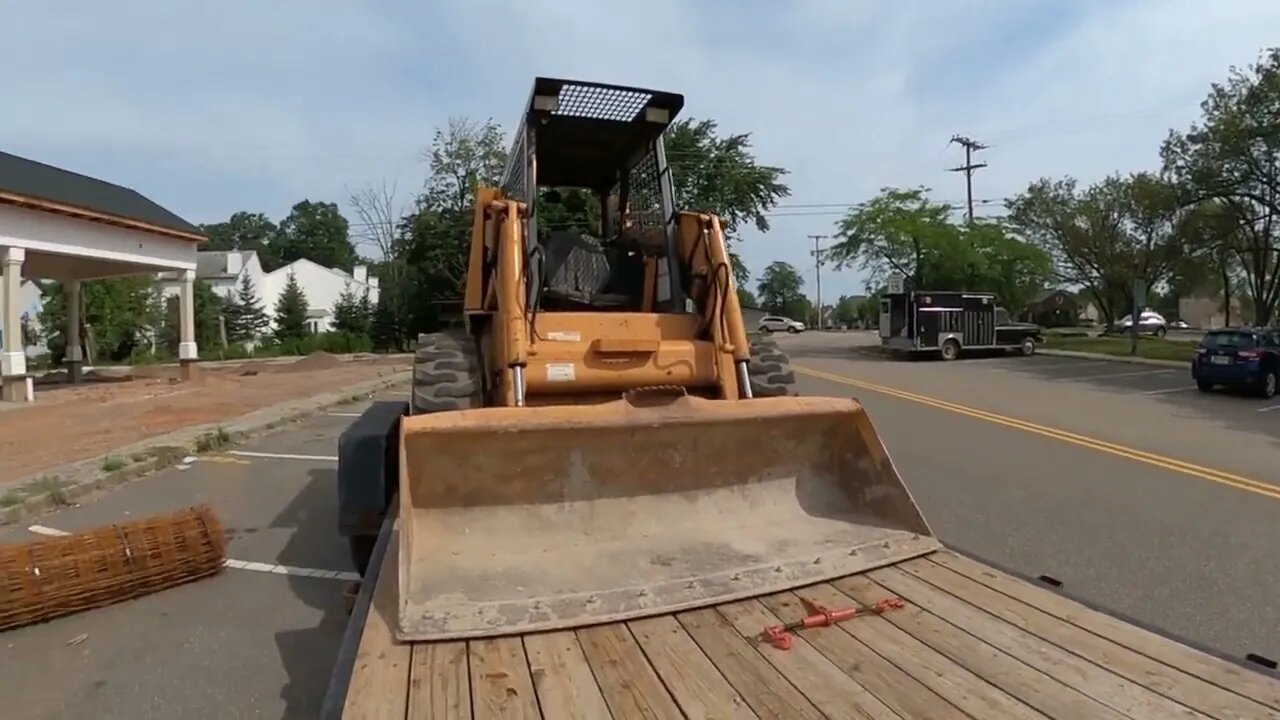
602	441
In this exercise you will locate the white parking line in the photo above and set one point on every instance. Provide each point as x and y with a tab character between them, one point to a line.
292	570
1170	390
1269	408
343	414
272	568
284	456
1117	375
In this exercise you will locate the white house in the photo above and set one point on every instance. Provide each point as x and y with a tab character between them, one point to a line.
225	270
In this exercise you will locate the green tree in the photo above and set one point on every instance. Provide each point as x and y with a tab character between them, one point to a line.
384	330
242	231
246	318
904	232
115	309
1107	236
315	231
779	290
291	312
846	310
720	175
433	239
208	308
352	313
1232	157
1009	267
747	299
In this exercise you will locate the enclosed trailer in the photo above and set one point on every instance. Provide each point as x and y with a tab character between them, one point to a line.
948	322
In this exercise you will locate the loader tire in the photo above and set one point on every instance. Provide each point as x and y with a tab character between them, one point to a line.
770	370
446	373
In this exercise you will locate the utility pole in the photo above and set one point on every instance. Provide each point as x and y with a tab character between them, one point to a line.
817	257
970	147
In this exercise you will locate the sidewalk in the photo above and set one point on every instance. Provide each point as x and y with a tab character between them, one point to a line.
72	423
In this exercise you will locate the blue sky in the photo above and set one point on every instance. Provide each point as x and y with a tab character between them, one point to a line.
210	108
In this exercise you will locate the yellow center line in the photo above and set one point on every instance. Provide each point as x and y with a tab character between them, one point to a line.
1186	468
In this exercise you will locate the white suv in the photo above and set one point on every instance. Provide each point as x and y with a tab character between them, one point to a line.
777	323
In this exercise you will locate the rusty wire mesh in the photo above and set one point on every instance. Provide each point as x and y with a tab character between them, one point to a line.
57	576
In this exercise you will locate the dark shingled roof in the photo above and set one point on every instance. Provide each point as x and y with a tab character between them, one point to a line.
37	181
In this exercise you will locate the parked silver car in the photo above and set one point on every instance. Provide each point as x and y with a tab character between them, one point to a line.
778	323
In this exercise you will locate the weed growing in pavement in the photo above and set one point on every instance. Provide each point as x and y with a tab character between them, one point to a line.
213	441
112	463
140	457
11	498
51	486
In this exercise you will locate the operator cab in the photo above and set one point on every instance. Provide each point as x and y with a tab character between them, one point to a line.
588	160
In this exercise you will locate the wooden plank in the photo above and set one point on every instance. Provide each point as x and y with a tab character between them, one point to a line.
905	695
695	683
1020	680
1163	679
1096	682
1242	681
566	688
501	686
380	677
630	686
951	681
832	691
765	689
439	683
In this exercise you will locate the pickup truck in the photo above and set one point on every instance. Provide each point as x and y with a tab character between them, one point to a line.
952	637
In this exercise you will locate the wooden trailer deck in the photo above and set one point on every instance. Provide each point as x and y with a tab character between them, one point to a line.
971	642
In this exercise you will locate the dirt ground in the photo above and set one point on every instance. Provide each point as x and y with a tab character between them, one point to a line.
111	409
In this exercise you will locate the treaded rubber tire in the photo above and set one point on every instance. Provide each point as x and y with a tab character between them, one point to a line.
950	350
446	373
769	370
361	551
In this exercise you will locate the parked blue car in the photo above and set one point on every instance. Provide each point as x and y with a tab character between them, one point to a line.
1238	357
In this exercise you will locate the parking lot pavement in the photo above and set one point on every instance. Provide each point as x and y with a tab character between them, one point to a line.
243	644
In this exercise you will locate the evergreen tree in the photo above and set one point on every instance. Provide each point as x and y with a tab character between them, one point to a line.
384	329
245	316
291	312
352	314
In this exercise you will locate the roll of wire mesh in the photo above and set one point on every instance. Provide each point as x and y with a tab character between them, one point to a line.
57	576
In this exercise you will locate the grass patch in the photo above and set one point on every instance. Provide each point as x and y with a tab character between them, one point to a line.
1148	347
213	441
111	463
51	486
11	498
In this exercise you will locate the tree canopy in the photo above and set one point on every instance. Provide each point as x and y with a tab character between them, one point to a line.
904	232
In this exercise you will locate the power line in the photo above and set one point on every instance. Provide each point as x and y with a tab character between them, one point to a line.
970	146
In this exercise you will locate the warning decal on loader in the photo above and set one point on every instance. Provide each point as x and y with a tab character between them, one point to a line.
564	336
560	372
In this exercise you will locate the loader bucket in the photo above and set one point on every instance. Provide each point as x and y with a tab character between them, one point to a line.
524	519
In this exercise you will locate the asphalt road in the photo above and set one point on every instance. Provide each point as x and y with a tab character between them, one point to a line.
1139	494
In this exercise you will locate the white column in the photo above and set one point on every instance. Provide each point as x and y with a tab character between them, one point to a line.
15	384
13	360
74	356
187	350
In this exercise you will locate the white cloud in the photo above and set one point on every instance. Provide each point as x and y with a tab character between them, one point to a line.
210	108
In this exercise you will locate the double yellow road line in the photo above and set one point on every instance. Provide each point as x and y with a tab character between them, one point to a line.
1186	468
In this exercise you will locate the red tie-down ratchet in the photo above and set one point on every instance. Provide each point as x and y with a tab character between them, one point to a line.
780	636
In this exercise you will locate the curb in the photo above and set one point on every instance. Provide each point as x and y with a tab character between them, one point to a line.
1114	358
63	485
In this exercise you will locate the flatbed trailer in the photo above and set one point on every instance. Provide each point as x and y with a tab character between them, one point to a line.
971	641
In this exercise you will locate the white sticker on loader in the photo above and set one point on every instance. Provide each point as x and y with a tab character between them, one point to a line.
560	372
565	336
